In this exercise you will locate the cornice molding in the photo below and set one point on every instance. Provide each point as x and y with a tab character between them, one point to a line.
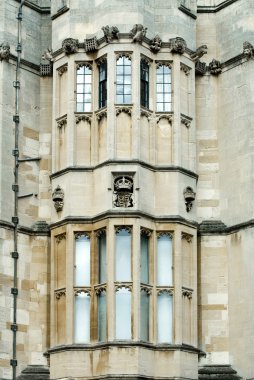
214	8
143	164
37	8
60	12
187	11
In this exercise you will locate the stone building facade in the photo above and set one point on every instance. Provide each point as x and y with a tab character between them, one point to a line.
133	178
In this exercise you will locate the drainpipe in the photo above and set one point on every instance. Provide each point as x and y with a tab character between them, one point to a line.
15	188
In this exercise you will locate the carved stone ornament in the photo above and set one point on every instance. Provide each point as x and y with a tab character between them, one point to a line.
169	291
123	192
201	50
81	234
123	285
60	237
91	44
185	69
215	67
146	289
146	232
187	237
121	228
60	293
164	233
61	121
186	120
63	69
70	46
110	33
100	289
155	44
80	118
4	51
123	109
58	198
101	114
89	65
177	45
145	113
186	292
248	50
164	63
189	197
101	232
138	33
168	117
79	291
47	55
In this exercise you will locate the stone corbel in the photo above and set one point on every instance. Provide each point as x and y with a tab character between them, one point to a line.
5	51
60	237
138	33
145	113
61	70
215	67
155	44
167	290
80	118
187	237
146	232
201	50
110	33
101	114
147	289
187	292
166	116
185	69
189	197
100	289
70	46
61	121
60	293
186	120
177	45
123	109
82	290
164	233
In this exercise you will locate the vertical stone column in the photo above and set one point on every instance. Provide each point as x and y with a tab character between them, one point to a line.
136	279
111	59
176	92
136	102
110	280
70	246
178	285
71	125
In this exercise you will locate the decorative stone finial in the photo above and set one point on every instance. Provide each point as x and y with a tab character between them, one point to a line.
215	67
58	198
248	50
4	51
201	50
110	32
70	46
177	45
138	33
155	44
47	55
189	197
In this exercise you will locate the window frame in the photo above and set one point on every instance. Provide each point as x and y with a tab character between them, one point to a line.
87	81
122	78
164	66
144	82
102	87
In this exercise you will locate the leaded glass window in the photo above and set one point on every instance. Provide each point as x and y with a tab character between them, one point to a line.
103	84
163	89
84	89
144	83
123	80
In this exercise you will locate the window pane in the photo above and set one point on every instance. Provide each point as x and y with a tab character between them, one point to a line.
159	107
119	70
167	98
144	315
119	89
168	107
127	89
160	98
127	79
144	259
127	70
82	262
102	258
120	61
159	78
167	78
123	314
127	99
119	99
102	317
88	79
164	318
160	88
80	88
88	88
82	318
80	98
80	107
164	260
167	88
123	255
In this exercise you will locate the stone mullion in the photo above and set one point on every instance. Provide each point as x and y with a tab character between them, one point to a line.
178	307
135	62
70	252
194	300
71	121
192	128
176	108
110	249
111	64
55	98
53	330
136	280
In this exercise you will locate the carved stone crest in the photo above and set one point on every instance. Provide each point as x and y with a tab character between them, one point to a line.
58	198
201	50
4	51
138	33
91	44
123	192
189	197
155	44
215	67
110	32
248	50
70	46
177	45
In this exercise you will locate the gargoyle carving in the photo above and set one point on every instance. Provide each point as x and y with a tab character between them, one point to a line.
155	44
248	50
177	45
4	51
110	32
70	46
47	55
215	67
201	50
138	33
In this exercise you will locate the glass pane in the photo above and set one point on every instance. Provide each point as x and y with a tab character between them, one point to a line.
160	98
88	98
123	314
88	79
80	88
123	256
159	78
120	61
127	99
160	69
119	80
168	107
164	318
119	99
167	88
102	317
167	70
80	107
119	70
82	318
127	70
160	88
167	78
82	262
102	258
144	316
144	259
88	88
127	89
80	78
164	261
119	89
126	61
167	98
81	70
159	107
87	107
127	79
80	98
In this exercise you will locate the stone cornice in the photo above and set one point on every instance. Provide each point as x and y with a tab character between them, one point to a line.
38	229
143	164
187	11
60	12
37	8
126	344
214	8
